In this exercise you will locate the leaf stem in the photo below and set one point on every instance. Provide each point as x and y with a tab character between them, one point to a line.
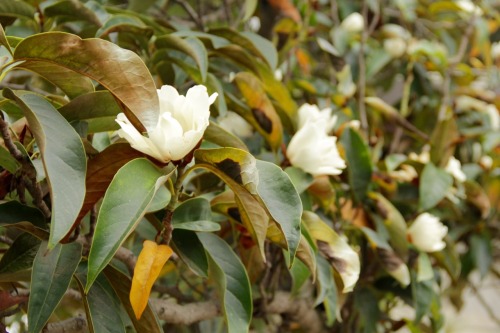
165	234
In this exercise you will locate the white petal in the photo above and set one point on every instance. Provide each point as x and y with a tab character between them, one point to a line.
315	152
427	233
136	139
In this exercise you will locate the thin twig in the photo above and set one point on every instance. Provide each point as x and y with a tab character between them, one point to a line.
166	234
192	13
128	258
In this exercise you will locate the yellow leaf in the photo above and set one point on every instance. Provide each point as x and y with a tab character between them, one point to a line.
148	267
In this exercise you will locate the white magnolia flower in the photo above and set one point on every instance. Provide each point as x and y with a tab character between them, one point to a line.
181	124
312	150
427	233
324	118
234	123
468	6
395	46
353	23
423	158
486	162
454	167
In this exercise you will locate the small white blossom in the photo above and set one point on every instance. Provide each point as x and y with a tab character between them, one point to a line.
312	150
427	233
469	7
278	74
254	23
486	162
423	158
454	167
181	124
395	46
353	23
324	117
234	123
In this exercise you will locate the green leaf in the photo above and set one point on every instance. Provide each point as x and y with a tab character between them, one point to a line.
191	46
366	305
282	202
481	251
63	157
120	71
218	135
423	295
300	179
194	214
327	293
124	23
434	184
358	162
262	114
102	306
7	161
443	140
70	11
232	283
70	82
121	285
119	214
249	9
237	169
16	9
20	254
98	108
52	273
101	169
393	222
189	248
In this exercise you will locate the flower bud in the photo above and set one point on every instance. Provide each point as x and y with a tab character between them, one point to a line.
427	233
353	23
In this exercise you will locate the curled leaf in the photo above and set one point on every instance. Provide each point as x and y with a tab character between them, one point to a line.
148	267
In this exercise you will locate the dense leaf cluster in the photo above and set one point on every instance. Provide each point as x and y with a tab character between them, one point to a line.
409	90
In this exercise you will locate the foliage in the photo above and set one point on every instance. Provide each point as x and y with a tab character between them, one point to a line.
402	96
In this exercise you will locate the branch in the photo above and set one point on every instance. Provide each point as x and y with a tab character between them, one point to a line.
71	325
187	314
301	310
128	258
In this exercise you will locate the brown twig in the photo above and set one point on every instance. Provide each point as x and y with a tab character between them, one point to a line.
28	172
128	258
165	234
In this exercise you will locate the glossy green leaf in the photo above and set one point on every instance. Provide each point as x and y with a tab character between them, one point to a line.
120	71
20	254
249	9
102	306
358	162
190	46
194	214
237	169
124	23
189	248
282	202
99	109
218	135
262	114
14	212
51	276
423	294
231	279
481	251
434	185
119	214
121	284
366	305
63	157
70	11
70	82
3	40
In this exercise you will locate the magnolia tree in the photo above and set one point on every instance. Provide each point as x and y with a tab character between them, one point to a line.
245	166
